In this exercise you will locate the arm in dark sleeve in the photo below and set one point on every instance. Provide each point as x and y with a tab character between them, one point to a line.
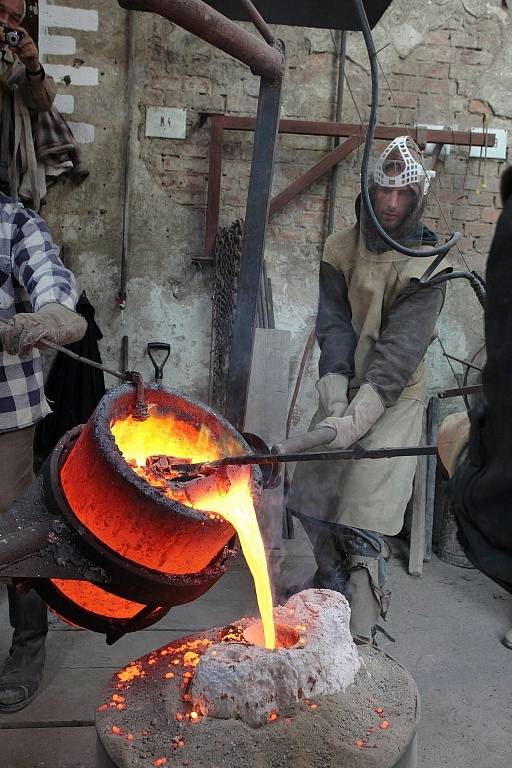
403	342
334	331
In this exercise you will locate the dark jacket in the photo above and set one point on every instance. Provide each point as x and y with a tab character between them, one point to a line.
73	389
482	486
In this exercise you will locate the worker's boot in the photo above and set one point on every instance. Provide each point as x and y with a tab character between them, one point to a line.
23	668
367	600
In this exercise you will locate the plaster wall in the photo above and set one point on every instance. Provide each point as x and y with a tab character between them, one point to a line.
446	62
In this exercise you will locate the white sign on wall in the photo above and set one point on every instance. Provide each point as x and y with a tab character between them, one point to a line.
166	122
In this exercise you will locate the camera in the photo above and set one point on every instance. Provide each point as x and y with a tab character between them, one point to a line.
11	36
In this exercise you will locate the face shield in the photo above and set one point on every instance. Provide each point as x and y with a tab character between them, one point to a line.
398	186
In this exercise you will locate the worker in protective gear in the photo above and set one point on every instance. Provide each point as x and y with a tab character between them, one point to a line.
37	298
373	327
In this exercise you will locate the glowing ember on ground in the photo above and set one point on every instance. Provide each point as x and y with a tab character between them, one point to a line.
130	673
226	494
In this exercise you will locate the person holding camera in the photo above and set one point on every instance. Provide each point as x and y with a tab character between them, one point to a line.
24	88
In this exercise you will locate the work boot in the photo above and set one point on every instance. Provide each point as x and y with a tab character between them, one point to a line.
507	640
23	668
366	599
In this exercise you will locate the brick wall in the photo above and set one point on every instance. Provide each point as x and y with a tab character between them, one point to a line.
446	61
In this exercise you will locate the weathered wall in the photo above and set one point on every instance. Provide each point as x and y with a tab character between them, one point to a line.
446	61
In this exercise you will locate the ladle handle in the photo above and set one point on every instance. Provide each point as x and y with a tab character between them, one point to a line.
301	443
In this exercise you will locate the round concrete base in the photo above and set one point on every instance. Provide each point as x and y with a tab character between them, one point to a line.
145	719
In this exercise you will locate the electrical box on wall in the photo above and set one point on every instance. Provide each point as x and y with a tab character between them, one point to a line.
166	122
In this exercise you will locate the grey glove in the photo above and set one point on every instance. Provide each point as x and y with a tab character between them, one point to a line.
359	418
333	389
53	322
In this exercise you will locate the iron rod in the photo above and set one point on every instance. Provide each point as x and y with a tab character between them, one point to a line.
277	458
258	21
460	392
462	362
204	21
18	544
79	358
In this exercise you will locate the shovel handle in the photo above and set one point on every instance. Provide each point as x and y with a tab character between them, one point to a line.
301	443
158	346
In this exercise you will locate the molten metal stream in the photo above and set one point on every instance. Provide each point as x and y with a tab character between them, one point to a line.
163	435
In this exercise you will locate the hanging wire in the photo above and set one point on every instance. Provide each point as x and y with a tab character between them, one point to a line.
436	198
401	120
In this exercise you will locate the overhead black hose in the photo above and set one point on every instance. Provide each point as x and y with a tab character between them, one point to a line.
441	250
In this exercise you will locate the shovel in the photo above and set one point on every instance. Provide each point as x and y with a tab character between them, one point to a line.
158	346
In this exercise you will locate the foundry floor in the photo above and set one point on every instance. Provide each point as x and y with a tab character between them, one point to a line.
447	625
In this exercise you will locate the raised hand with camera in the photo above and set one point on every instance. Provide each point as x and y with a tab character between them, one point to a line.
17	38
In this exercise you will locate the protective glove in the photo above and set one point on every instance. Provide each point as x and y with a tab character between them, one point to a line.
53	322
333	389
359	418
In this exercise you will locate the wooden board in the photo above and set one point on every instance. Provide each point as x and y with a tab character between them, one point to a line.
267	408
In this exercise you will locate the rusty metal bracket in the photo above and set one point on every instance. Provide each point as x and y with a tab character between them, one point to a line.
353	132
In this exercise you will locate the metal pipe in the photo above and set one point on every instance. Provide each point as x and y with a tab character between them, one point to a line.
128	153
18	544
204	21
80	359
461	391
350	454
258	21
253	247
341	56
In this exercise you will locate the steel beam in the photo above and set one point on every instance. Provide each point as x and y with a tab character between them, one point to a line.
301	183
214	182
253	246
386	133
205	22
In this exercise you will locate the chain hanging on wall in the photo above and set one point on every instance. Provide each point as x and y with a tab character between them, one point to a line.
226	267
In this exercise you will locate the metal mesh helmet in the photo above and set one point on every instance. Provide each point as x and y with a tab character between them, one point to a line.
403	157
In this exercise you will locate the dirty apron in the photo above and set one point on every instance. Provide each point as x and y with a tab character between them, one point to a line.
370	494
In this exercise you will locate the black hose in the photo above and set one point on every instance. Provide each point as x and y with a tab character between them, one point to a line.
441	250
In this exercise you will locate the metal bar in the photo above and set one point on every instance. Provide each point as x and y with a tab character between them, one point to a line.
128	164
462	362
253	247
308	128
210	25
258	21
331	128
313	174
80	359
214	182
283	458
341	55
460	392
18	544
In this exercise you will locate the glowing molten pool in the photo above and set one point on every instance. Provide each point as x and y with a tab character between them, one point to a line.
228	496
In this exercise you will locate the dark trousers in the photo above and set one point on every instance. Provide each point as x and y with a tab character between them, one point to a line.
27	612
332	545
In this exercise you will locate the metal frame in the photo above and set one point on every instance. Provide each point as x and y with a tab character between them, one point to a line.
352	132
